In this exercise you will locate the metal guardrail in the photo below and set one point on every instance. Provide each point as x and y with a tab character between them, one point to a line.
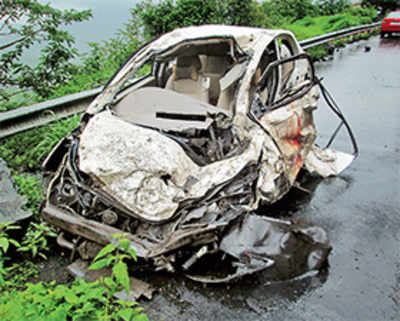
332	36
24	118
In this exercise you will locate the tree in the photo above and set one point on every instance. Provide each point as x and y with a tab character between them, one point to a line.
157	19
281	12
331	7
384	5
25	23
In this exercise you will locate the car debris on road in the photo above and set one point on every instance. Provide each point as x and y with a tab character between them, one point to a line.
196	130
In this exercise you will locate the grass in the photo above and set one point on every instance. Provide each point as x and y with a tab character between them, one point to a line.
17	100
31	187
76	301
27	150
309	27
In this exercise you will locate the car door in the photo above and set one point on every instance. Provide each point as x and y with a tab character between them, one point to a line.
284	98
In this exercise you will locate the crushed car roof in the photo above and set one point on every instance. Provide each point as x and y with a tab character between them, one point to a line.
244	36
247	38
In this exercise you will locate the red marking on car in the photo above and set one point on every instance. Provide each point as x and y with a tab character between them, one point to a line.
299	161
295	140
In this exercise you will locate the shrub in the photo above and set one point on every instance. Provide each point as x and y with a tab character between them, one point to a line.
26	151
79	301
157	19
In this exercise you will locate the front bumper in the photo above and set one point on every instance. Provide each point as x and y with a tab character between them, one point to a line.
88	229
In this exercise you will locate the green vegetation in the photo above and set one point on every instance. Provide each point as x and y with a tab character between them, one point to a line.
31	187
35	240
168	15
24	23
383	5
5	240
80	300
26	151
114	255
314	26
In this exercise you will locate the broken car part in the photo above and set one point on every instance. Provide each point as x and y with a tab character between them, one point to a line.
198	129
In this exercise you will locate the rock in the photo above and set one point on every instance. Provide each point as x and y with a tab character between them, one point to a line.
11	203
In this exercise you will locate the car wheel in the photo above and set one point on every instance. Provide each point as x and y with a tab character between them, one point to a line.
382	34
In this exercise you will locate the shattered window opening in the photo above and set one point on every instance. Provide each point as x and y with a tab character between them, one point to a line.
298	80
142	72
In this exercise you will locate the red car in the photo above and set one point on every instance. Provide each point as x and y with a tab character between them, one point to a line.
391	23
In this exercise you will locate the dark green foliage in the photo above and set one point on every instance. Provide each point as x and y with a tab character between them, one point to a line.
35	240
24	23
383	5
79	301
330	7
97	66
281	12
168	15
115	254
311	27
31	187
16	99
289	11
26	151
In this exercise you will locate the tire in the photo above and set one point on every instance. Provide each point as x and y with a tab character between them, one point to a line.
382	34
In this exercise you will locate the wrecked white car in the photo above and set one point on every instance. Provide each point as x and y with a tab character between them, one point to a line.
189	137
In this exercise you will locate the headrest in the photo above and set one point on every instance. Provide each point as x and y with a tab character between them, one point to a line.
216	65
187	67
188	61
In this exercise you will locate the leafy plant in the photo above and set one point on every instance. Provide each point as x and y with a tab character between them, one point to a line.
288	11
31	188
15	276
114	254
157	19
80	301
35	240
26	151
55	132
24	23
331	7
384	5
5	239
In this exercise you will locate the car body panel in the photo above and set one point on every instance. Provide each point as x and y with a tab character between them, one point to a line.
391	23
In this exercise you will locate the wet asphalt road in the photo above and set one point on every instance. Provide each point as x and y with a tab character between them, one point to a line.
360	209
